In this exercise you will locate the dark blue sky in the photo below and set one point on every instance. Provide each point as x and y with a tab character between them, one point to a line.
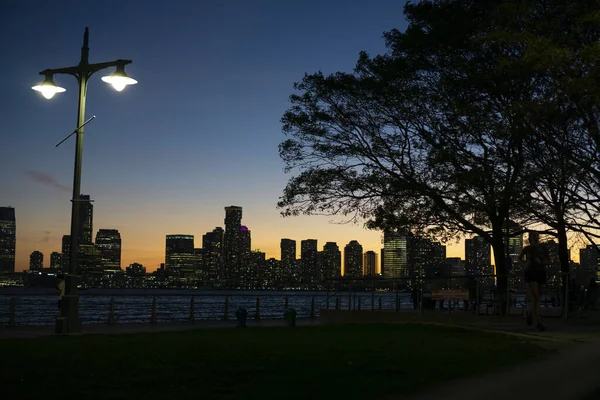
200	131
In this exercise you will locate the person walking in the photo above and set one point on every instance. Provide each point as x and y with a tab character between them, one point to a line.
534	259
60	290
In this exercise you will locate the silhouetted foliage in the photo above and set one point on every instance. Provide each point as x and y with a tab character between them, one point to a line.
477	113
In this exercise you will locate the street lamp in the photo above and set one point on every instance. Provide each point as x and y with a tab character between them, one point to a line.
68	321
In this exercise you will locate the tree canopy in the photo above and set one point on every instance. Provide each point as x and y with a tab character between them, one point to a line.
478	113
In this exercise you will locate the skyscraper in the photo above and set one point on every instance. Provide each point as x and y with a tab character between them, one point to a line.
36	261
308	261
370	263
395	256
331	261
86	219
179	254
212	243
108	243
66	253
232	246
353	260
288	275
478	259
514	246
8	232
55	261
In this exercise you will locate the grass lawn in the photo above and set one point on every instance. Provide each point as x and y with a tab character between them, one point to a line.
321	362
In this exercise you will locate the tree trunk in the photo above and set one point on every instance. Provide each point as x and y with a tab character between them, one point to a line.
563	256
501	270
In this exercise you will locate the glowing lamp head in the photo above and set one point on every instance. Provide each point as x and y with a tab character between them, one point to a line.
119	79
48	88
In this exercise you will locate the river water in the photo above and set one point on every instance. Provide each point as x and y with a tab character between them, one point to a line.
38	306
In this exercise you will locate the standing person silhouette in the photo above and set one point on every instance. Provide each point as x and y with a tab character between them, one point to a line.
60	290
534	259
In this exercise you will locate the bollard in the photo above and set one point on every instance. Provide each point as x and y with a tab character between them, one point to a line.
111	311
290	316
257	315
380	303
226	311
13	308
153	316
337	304
312	307
191	317
285	307
241	314
359	299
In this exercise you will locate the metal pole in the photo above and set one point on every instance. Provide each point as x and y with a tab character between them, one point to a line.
111	311
191	317
153	316
397	298
69	321
372	294
13	309
257	316
349	299
421	299
566	305
508	294
477	299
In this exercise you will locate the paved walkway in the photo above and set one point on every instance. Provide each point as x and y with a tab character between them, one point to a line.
570	371
8	332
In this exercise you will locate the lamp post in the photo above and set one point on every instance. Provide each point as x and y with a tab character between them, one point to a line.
68	320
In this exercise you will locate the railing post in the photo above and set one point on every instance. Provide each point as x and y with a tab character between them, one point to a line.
508	296
257	315
153	316
13	311
380	303
397	298
337	304
191	317
111	311
566	296
373	300
349	300
226	309
312	307
477	299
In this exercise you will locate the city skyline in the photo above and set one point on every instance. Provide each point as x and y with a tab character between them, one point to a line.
166	155
272	250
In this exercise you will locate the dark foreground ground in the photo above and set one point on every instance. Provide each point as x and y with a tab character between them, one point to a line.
317	362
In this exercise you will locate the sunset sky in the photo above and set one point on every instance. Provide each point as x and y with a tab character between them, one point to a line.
199	132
